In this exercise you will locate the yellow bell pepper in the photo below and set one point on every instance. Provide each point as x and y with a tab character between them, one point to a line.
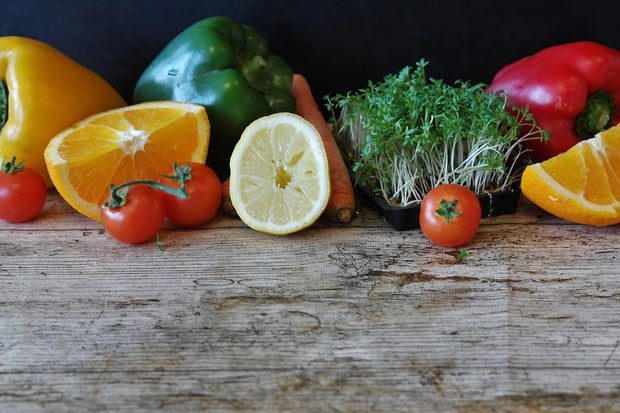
46	92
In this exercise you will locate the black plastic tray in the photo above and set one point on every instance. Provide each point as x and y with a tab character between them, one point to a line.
404	218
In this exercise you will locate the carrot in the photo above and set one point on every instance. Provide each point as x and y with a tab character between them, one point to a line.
341	205
226	206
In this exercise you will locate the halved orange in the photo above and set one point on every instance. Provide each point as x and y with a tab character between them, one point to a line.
134	142
581	185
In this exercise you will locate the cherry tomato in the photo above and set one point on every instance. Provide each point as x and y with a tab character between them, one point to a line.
22	193
450	215
139	219
205	195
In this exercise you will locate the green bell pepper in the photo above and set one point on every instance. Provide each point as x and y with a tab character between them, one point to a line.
227	67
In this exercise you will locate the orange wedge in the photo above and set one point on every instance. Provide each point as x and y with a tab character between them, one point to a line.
134	142
581	185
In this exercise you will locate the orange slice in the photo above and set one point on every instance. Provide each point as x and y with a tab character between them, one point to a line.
581	185
134	142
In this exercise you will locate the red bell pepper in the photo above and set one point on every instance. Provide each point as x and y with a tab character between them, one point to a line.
572	90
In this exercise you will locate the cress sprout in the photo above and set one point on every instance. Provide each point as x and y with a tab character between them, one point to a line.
408	134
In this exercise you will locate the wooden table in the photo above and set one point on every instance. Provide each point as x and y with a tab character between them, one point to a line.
353	319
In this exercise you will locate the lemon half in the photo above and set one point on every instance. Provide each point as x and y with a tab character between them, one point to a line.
279	176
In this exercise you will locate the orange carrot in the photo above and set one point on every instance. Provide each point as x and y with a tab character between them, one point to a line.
341	205
226	206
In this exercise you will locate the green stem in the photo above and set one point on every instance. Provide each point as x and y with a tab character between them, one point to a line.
448	210
598	115
118	193
255	71
11	167
4	104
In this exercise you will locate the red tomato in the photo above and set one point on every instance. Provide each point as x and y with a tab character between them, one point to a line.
22	195
205	195
139	219
450	215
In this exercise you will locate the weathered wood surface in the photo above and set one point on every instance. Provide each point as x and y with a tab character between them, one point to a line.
353	319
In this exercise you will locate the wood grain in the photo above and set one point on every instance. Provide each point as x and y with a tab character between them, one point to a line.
347	318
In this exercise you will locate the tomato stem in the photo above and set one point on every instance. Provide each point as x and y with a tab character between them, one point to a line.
11	167
118	193
448	209
181	174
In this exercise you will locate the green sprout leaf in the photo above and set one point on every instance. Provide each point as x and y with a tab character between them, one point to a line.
463	253
160	243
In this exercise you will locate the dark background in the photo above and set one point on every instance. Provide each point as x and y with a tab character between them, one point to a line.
339	46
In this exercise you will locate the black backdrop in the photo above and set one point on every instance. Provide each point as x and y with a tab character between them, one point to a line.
338	45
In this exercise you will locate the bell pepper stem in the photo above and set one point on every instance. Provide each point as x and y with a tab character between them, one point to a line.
118	193
597	115
4	104
254	70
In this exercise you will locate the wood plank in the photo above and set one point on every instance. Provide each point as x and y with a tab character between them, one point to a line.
354	318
